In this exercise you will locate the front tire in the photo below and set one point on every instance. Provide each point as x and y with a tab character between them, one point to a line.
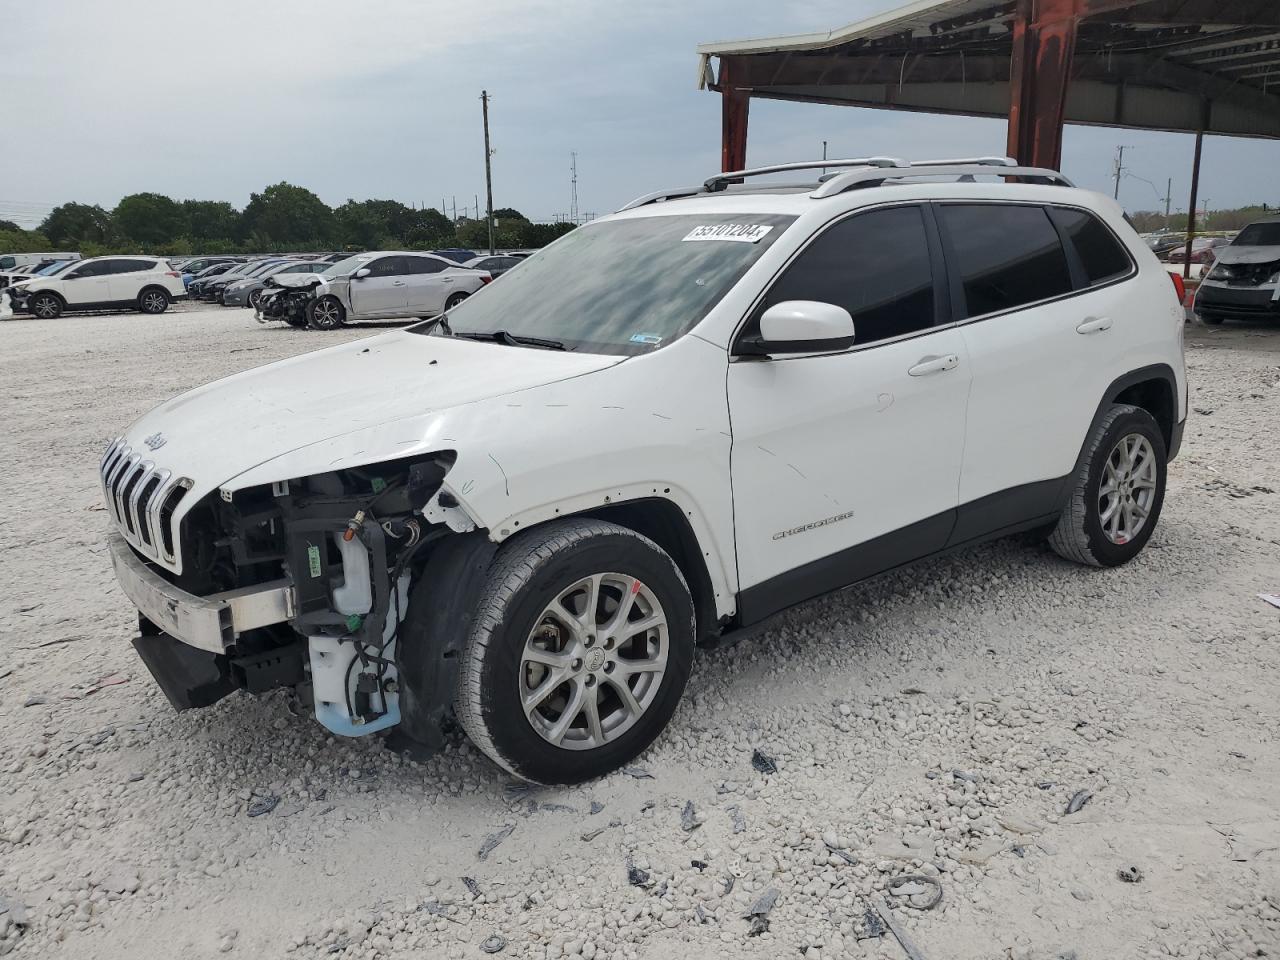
1210	319
327	313
579	654
1118	492
153	300
46	306
254	297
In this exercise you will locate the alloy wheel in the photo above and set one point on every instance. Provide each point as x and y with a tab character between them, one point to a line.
594	661
326	314
1128	488
46	308
154	302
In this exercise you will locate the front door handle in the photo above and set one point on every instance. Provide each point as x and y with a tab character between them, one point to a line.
1094	325
928	365
398	283
446	279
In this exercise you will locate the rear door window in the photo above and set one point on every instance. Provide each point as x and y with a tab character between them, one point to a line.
876	265
1103	257
424	265
1004	255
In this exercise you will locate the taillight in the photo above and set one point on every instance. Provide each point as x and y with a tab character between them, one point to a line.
486	278
1179	286
172	273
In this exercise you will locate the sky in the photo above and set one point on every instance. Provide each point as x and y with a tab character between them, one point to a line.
381	100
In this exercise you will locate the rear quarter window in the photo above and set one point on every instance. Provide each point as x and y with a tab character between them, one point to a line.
1102	255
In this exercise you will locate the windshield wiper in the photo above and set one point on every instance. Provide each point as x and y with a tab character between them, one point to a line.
514	339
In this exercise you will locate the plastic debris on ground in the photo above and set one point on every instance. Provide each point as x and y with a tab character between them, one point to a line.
492	840
759	912
763	762
1078	800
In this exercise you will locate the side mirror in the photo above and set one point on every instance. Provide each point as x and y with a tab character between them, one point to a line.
360	274
800	326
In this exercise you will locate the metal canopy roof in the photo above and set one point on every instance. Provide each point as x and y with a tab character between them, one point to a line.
1180	65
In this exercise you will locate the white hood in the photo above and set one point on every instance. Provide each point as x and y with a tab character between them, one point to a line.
1243	254
217	432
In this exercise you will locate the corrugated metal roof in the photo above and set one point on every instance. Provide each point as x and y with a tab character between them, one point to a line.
1153	64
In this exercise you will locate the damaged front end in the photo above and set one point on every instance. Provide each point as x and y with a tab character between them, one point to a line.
286	302
303	584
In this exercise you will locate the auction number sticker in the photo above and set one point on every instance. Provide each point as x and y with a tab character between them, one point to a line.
736	232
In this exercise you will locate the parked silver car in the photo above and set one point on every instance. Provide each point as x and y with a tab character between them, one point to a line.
370	286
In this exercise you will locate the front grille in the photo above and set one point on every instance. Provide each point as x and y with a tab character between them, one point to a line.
141	498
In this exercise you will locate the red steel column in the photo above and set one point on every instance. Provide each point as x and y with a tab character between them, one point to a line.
734	104
1044	43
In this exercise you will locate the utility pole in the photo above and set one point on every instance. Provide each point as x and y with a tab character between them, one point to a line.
1168	202
488	174
573	187
1120	165
455	208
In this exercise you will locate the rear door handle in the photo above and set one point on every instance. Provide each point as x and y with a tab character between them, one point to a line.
446	279
398	283
1094	325
928	365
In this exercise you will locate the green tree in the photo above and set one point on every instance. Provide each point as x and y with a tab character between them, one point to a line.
534	235
77	224
289	216
18	240
211	220
508	213
149	218
8	226
429	228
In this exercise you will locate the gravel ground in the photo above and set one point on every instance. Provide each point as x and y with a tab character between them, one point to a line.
935	723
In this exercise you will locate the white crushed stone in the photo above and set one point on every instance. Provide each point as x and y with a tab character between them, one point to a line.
933	722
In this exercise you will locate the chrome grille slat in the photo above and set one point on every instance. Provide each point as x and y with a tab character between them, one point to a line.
142	499
146	468
120	478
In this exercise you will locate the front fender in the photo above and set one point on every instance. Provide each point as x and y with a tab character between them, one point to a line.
653	426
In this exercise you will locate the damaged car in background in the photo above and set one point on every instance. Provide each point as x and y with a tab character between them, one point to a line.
369	286
672	423
1244	284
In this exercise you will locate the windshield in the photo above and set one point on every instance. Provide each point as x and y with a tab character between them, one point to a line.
51	269
350	265
621	286
301	267
1259	235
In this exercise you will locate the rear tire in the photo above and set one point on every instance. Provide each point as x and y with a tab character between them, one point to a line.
1211	320
46	306
455	299
327	313
537	639
153	300
1118	492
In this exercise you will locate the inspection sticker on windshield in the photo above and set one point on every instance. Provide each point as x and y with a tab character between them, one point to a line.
737	232
648	339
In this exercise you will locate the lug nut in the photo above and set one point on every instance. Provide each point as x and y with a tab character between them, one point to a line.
608	667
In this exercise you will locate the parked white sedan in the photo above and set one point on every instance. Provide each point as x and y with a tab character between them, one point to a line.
370	286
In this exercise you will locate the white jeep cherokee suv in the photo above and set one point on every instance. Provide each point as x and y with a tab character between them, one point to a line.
670	424
148	284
